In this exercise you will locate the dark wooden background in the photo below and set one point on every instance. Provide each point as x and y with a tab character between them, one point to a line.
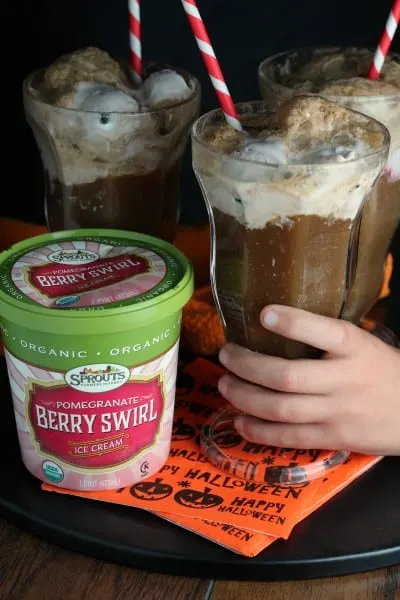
31	569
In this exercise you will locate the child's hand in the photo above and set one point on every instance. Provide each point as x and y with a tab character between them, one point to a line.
348	400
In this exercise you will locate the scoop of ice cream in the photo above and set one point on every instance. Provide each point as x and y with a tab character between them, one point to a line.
84	79
277	151
272	151
109	137
358	86
103	98
164	88
62	78
326	66
223	137
391	71
338	150
331	68
322	68
306	122
310	115
106	115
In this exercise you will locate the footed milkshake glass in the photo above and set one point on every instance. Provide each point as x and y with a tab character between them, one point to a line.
281	77
284	234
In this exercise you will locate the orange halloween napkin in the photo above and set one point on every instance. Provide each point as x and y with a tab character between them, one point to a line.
243	516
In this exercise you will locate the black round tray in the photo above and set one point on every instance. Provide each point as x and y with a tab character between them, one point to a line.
359	530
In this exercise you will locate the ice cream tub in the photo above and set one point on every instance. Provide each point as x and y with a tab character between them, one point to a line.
90	323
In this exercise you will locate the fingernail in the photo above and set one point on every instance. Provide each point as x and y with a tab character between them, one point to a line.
223	356
239	423
270	319
223	385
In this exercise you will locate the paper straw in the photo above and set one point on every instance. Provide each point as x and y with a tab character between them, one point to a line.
385	41
212	65
135	40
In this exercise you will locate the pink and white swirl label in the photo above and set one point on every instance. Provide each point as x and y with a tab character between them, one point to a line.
96	426
82	274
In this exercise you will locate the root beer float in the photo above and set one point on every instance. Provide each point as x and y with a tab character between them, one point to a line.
111	149
285	198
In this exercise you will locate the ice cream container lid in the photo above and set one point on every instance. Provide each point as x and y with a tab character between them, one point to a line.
92	281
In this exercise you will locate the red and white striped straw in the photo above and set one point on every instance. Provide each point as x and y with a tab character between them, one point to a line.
211	62
385	41
135	39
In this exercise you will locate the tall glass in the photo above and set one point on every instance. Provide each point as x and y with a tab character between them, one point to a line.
111	169
285	234
381	214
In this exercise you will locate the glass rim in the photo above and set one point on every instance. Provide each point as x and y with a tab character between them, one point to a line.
270	59
218	111
195	91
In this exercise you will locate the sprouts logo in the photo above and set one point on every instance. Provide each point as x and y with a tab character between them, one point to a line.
73	257
97	378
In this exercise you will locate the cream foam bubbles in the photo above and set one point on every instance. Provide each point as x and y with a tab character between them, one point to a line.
318	190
